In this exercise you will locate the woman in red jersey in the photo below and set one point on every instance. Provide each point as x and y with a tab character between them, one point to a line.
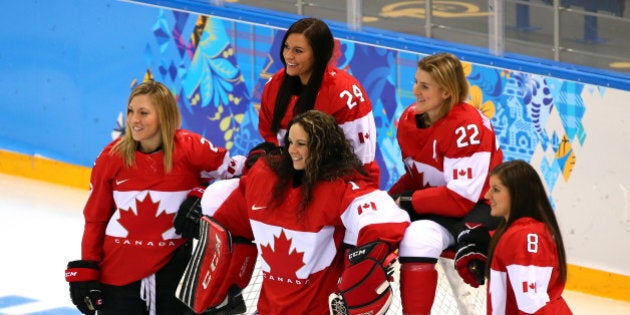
528	268
305	208
308	81
131	256
448	148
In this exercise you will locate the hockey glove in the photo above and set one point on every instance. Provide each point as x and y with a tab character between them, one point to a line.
471	255
187	219
85	289
256	152
404	201
364	285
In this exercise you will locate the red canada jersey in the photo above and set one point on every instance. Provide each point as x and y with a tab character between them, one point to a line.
302	256
524	275
129	212
341	96
447	163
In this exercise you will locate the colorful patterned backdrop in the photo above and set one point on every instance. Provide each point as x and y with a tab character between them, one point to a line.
217	69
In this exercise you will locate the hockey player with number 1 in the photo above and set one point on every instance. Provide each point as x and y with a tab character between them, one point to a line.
314	218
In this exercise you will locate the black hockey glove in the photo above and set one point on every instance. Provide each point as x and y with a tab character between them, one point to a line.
187	219
404	200
471	253
257	152
85	288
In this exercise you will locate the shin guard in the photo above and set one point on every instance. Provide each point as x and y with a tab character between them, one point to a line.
418	282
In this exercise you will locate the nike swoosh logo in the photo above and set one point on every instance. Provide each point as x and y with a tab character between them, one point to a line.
120	182
255	207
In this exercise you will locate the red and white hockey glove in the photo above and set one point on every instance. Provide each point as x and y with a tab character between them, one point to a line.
85	288
364	285
471	254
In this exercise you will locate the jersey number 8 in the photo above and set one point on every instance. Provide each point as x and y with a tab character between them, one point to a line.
532	243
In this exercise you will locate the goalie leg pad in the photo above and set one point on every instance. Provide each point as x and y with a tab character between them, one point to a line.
215	266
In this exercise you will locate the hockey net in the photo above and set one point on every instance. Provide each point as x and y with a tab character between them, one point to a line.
452	297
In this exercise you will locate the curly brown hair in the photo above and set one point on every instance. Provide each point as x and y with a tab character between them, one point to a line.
330	157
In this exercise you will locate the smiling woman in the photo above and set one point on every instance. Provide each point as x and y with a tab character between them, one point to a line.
527	261
448	147
131	256
315	217
310	80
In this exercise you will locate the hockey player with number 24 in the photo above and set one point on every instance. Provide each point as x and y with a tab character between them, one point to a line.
310	80
314	219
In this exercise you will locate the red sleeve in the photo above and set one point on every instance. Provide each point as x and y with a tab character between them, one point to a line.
441	201
466	141
99	206
371	215
211	161
404	183
267	105
232	214
343	96
530	244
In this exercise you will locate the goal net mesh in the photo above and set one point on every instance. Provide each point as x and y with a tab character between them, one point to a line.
452	297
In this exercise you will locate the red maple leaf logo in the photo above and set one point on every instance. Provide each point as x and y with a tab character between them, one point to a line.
289	261
419	176
136	224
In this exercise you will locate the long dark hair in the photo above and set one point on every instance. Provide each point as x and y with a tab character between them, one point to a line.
330	157
322	43
528	199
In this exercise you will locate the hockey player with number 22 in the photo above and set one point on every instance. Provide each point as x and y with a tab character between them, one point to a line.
314	219
448	147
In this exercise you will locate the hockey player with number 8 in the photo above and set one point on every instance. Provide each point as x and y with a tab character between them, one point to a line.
528	268
314	218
